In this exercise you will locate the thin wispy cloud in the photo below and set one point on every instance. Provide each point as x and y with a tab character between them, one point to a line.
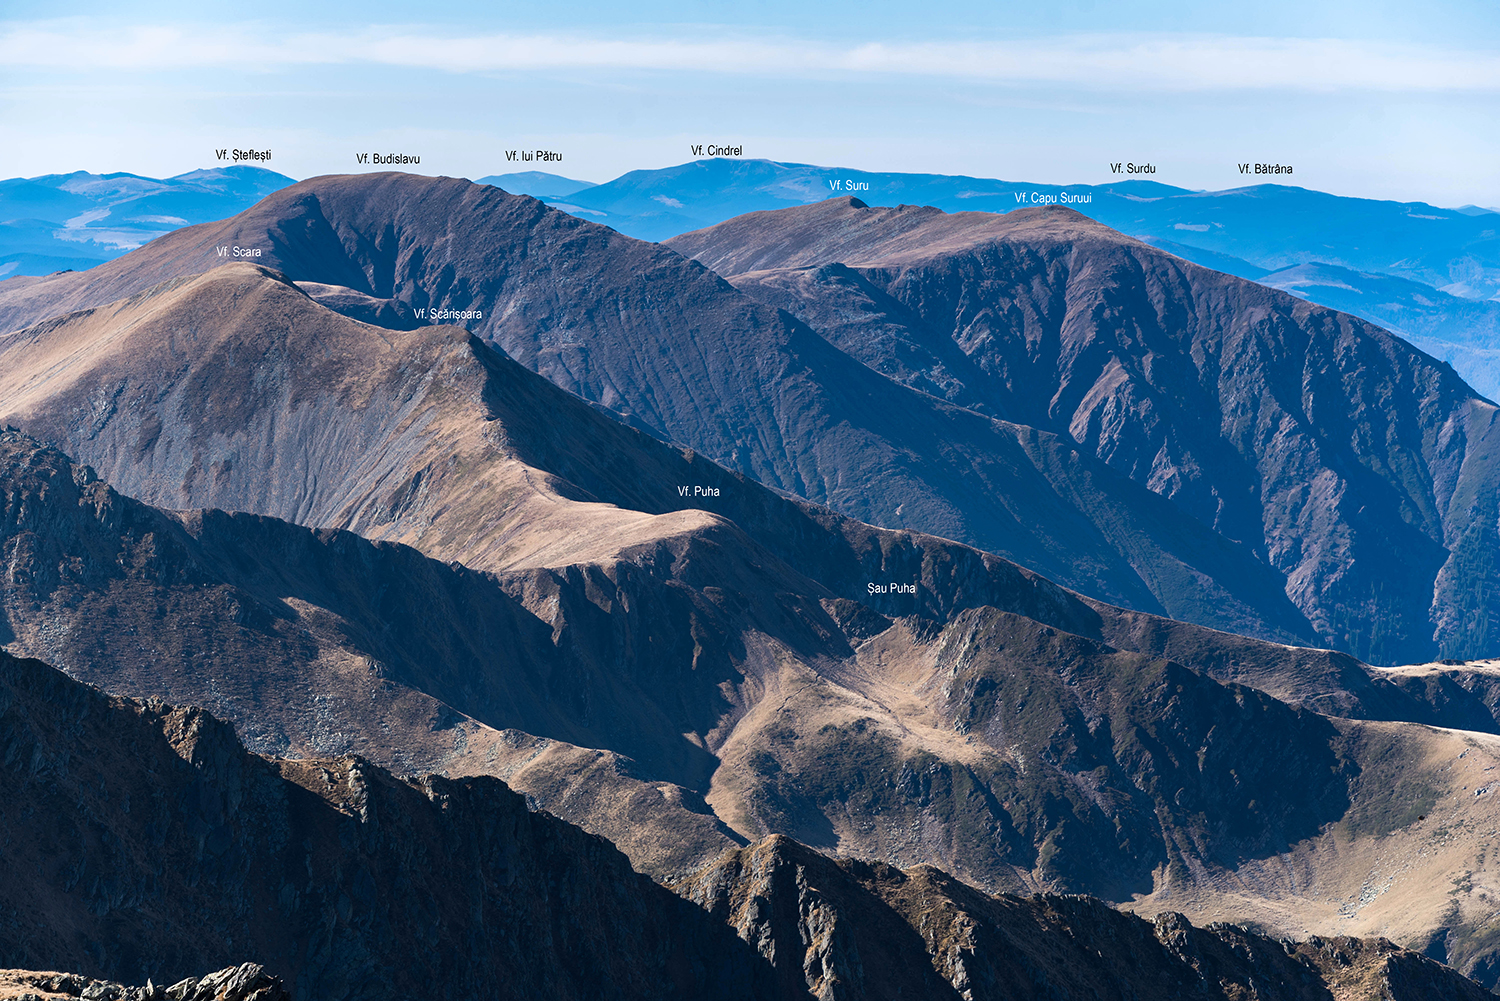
1112	62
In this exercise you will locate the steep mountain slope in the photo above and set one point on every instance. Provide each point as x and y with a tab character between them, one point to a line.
234	390
1463	332
639	329
683	673
323	644
144	841
688	695
143	837
790	899
1359	468
1274	225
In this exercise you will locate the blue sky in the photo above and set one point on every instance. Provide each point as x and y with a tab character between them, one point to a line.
1378	99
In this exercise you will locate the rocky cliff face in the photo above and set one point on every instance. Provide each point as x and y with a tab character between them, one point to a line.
1056	380
680	674
1356	466
234	390
246	982
141	838
142	841
854	930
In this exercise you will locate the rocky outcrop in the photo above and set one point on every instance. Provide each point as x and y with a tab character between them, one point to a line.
677	675
431	438
695	693
852	931
142	841
246	982
143	837
1039	389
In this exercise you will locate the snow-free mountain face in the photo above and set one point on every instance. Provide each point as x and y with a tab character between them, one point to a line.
1272	226
672	347
179	847
1249	232
1034	384
349	539
78	220
1448	256
1358	467
679	679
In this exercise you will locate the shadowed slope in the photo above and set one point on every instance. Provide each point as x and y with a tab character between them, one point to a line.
234	390
856	929
679	698
1359	468
144	841
680	679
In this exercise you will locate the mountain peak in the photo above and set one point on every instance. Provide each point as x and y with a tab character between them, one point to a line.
848	230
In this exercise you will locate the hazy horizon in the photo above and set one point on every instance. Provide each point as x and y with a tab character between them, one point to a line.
1367	100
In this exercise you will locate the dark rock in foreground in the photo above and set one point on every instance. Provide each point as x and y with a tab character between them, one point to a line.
142	839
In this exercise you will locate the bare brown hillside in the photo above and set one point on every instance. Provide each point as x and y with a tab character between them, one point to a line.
1358	467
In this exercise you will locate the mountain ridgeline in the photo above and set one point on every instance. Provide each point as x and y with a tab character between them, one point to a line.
1040	387
440	561
671	347
1261	226
1359	468
143	839
579	549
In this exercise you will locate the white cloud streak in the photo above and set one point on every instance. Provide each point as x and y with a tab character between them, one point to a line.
1095	62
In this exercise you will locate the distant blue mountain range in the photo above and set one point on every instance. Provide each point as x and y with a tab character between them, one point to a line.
538	184
75	221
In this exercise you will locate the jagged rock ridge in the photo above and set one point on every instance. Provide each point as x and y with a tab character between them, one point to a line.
143	841
246	982
741	630
165	841
1015	753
